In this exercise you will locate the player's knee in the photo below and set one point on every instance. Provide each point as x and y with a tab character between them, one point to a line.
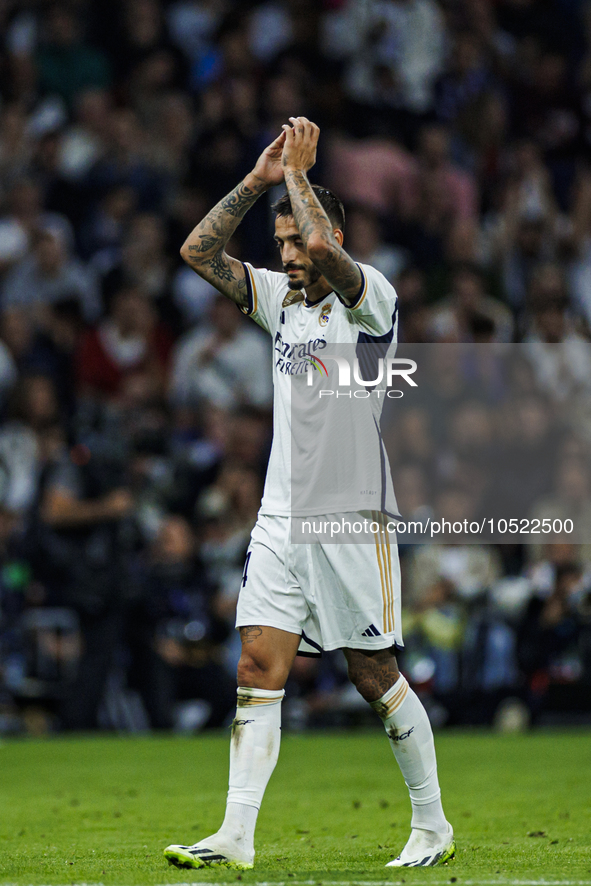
372	674
260	672
358	670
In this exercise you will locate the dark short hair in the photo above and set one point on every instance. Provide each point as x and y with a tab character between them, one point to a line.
329	202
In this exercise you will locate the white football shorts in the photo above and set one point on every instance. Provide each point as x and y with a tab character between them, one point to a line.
335	595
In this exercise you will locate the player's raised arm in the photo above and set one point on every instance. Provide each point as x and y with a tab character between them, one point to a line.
204	248
322	243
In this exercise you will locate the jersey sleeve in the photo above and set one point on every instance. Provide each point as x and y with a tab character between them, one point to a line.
374	309
264	290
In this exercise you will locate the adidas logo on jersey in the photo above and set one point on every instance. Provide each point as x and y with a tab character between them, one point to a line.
371	631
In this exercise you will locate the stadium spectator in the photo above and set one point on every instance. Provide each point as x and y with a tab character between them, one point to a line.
65	64
472	569
176	636
128	344
552	643
226	364
435	171
141	263
85	141
570	498
25	218
467	306
84	539
49	276
366	244
396	53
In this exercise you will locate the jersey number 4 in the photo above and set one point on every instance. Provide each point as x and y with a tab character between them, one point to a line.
245	573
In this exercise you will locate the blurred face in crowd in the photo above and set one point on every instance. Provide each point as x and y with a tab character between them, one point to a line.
410	287
119	203
533	420
549	301
50	252
363	232
466	56
435	209
189	205
434	146
467	289
16	331
25	200
14	121
175	542
445	366
235	49
527	157
551	73
560	553
415	433
146	235
125	130
282	95
568	581
461	243
243	488
225	150
550	322
530	236
39	401
455	504
143	21
92	109
52	442
573	480
247	439
411	489
133	314
471	427
62	27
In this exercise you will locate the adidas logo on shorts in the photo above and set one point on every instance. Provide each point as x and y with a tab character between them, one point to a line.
371	631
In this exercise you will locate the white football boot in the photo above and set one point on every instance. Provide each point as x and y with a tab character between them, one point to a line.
214	850
425	849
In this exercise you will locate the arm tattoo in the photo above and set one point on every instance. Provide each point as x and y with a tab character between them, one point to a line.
249	634
207	242
220	267
336	265
204	247
239	201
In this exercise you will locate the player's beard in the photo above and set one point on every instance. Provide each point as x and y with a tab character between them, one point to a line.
311	276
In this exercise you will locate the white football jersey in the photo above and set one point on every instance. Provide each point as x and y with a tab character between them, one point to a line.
327	454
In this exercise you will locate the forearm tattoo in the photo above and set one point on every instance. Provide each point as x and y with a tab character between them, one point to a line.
308	214
220	267
239	201
205	245
336	265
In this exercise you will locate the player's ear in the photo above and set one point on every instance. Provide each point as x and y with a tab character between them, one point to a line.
338	235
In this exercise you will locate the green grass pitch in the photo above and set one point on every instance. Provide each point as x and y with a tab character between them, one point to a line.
101	809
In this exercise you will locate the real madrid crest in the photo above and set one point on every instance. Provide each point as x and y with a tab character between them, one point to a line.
325	314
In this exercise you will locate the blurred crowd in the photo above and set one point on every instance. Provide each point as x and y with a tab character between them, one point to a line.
135	401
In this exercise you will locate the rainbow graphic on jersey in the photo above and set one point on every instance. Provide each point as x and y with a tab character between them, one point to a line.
318	364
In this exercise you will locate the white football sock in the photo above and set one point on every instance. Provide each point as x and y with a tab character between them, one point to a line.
408	728
254	749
